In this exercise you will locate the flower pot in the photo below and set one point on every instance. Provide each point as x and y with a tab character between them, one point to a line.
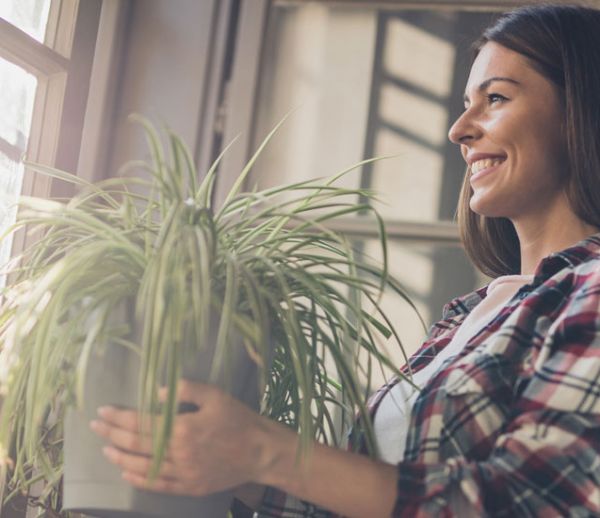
92	485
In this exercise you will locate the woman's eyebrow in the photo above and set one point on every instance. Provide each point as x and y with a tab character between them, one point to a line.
485	84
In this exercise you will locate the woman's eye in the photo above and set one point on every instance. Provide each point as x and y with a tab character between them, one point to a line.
493	98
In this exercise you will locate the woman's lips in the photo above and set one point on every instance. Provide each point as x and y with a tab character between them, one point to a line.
484	172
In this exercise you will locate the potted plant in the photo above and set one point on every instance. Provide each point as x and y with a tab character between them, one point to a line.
139	280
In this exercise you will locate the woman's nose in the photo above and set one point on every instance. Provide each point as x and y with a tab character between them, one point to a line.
464	129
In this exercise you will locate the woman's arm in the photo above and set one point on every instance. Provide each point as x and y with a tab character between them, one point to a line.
544	462
224	445
346	483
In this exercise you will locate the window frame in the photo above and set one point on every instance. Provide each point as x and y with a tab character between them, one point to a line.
62	66
239	113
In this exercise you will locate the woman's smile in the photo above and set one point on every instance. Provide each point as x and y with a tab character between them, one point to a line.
511	137
484	171
483	167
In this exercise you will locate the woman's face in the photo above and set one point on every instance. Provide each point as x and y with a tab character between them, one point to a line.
510	135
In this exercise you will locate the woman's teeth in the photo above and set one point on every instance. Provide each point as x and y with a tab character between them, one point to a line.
484	164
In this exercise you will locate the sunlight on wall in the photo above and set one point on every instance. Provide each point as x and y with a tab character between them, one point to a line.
417	115
419	57
414	268
418	72
368	82
409	184
318	63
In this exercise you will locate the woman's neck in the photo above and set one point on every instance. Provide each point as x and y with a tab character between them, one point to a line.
556	230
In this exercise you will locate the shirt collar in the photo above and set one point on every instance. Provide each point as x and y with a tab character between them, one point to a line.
463	304
581	252
584	250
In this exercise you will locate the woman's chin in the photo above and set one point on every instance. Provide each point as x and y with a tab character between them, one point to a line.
478	206
484	208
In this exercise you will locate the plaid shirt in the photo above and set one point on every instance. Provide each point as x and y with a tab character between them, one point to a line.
512	424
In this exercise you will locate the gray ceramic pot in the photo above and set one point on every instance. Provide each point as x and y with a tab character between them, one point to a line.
92	485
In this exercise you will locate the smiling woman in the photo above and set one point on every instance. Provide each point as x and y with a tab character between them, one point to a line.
512	137
556	103
507	416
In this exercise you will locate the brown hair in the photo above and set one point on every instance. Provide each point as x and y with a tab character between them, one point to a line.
563	44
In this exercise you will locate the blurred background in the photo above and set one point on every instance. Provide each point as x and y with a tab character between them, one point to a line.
362	79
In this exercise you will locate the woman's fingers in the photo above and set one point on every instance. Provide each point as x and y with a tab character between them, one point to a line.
138	464
124	418
122	438
187	392
211	447
136	468
122	429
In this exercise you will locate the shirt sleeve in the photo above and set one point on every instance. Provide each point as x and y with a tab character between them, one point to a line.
546	459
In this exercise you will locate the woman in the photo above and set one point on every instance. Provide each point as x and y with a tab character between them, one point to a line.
508	420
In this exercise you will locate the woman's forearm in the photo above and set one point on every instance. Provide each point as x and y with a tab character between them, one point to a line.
223	444
346	483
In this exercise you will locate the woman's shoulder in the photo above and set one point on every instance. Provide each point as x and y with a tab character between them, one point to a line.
577	280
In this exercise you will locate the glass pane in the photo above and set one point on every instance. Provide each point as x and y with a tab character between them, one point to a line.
431	275
11	178
31	16
17	94
365	82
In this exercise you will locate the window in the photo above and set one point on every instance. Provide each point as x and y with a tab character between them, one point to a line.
366	81
45	60
46	55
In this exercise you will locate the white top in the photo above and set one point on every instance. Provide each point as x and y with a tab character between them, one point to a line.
393	414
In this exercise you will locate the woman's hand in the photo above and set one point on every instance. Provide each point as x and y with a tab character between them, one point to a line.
224	444
220	445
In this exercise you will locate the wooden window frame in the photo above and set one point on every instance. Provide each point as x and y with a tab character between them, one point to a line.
62	66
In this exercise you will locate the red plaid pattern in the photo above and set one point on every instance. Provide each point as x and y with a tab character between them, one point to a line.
511	425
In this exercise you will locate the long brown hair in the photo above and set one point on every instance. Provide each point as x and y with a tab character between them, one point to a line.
563	44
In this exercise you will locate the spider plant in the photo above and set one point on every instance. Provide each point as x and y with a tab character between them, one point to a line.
265	263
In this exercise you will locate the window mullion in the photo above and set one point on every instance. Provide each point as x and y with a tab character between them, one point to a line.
60	29
25	51
474	5
438	232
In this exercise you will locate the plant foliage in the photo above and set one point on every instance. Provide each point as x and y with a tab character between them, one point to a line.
266	261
